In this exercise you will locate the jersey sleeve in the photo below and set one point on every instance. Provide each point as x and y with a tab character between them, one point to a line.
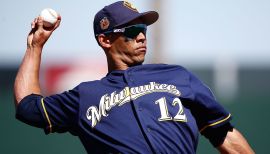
207	111
55	113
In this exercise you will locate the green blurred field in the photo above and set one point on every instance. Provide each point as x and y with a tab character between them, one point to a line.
249	109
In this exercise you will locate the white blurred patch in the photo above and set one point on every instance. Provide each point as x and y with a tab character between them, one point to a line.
226	77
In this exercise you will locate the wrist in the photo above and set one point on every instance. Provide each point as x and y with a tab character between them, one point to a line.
35	49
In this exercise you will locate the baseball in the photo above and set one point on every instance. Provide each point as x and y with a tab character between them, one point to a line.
49	17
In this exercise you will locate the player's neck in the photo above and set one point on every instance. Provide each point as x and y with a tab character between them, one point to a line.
116	65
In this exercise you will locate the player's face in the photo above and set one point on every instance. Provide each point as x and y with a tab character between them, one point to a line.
131	48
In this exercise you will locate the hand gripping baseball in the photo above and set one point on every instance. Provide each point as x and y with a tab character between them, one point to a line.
40	34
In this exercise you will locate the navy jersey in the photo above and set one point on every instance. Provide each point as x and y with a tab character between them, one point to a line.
154	108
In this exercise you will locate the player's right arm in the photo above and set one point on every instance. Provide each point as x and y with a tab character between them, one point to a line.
27	79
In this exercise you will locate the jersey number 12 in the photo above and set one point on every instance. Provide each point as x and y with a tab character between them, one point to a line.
165	116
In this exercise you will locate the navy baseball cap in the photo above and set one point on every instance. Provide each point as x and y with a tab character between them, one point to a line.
119	14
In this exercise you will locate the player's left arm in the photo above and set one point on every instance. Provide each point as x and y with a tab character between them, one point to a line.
235	143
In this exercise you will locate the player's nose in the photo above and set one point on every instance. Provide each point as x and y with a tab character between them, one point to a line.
141	37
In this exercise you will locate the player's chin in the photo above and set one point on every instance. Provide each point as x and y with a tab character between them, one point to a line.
139	60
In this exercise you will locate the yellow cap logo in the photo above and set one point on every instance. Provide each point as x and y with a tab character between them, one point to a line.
130	6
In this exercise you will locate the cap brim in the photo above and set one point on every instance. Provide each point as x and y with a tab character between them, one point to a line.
147	18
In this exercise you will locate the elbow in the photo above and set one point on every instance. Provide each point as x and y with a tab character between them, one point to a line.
16	103
17	95
17	99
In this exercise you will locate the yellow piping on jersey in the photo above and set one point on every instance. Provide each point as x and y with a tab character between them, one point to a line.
215	123
46	114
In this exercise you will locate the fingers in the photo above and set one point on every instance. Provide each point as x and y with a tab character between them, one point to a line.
34	23
33	26
39	32
39	23
57	22
58	17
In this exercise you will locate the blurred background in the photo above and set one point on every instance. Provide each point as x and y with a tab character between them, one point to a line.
225	43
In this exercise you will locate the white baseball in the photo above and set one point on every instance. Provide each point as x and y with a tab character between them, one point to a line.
49	17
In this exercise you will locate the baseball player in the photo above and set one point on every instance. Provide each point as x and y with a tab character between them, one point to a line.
135	108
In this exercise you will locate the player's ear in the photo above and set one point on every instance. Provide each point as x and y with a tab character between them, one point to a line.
104	41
